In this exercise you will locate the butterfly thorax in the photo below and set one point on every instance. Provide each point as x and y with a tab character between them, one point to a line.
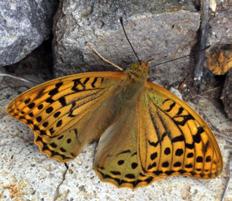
138	71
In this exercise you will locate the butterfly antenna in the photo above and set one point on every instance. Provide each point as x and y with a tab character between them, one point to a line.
123	28
103	58
168	61
29	83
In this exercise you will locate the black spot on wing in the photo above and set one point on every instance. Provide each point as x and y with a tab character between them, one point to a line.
181	109
167	151
169	172
197	136
134	165
189	146
69	141
77	82
49	110
45	124
152	165
124	152
57	114
31	105
157	172
165	164
185	119
208	159
94	81
62	101
170	107
179	152
120	162
53	92
27	101
190	155
40	107
86	81
199	159
130	176
39	118
154	144
115	172
50	100
153	156
178	138
177	164
53	145
59	123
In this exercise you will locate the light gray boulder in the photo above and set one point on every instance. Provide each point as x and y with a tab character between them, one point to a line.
24	25
220	31
161	30
221	34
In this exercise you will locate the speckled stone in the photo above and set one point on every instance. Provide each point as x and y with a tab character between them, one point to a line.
220	31
24	25
227	95
161	30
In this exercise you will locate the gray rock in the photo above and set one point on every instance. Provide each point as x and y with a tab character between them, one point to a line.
24	25
221	34
36	67
221	25
227	95
157	29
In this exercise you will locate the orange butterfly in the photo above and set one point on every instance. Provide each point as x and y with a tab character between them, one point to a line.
144	131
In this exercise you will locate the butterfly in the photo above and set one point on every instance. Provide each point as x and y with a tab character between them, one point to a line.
144	132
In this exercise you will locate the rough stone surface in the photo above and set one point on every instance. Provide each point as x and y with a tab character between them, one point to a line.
26	174
156	31
227	95
221	34
36	67
24	25
221	24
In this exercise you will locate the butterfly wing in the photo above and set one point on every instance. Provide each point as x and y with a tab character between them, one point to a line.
63	113
155	136
116	160
174	139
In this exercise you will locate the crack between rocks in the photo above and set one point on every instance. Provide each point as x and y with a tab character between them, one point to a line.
57	191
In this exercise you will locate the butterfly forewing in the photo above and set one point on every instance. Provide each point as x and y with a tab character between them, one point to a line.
177	140
59	110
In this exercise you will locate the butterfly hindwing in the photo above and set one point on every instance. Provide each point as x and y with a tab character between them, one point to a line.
116	160
59	110
175	139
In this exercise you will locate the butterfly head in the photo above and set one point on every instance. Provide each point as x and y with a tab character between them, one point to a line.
138	71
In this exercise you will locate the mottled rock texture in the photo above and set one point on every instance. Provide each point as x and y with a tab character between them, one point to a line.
221	24
227	95
221	34
161	30
24	25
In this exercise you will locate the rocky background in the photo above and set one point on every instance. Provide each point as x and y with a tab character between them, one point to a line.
42	39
